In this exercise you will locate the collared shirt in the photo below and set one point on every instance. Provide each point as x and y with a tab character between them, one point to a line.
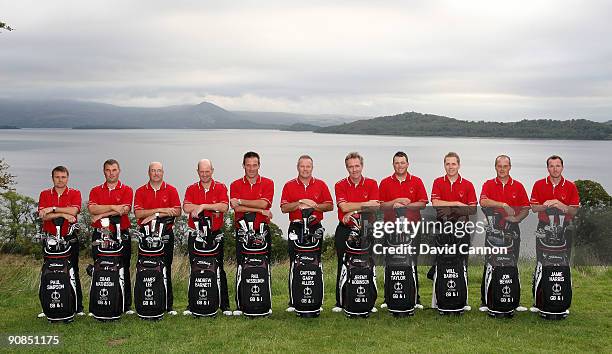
412	188
566	192
512	193
49	198
347	191
147	197
263	189
461	190
315	190
196	194
120	195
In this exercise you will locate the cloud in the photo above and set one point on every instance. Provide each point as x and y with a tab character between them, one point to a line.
473	60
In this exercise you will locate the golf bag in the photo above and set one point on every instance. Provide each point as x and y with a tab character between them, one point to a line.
150	287
358	289
57	291
306	270
450	282
502	287
107	274
401	287
253	277
552	280
204	290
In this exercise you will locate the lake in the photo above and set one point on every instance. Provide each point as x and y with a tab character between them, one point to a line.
32	153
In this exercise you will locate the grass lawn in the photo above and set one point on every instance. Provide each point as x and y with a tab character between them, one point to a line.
588	328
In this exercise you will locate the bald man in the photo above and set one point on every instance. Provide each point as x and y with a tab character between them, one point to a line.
209	197
158	198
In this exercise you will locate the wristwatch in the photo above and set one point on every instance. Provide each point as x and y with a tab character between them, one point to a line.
239	201
157	215
54	209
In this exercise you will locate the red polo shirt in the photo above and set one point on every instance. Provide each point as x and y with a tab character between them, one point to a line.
346	191
461	190
566	192
120	195
49	198
412	188
146	197
295	190
196	194
512	193
263	189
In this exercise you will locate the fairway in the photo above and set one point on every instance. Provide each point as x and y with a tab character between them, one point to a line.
586	330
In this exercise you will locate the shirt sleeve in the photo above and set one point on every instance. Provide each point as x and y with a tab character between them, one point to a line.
267	192
421	193
373	191
522	199
174	199
471	195
574	199
76	200
93	200
484	193
285	194
535	197
42	201
435	190
138	200
127	196
234	192
326	195
223	194
341	196
383	191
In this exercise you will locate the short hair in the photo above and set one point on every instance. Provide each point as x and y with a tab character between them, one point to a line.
554	157
501	157
452	154
60	169
305	157
249	155
401	154
353	155
111	162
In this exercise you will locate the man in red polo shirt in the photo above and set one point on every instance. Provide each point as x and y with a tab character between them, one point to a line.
304	192
209	197
454	198
108	199
158	198
403	190
508	196
252	193
60	201
352	194
554	191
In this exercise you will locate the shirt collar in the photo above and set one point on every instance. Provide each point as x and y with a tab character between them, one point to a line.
361	181
298	181
53	191
510	181
458	180
119	185
408	177
549	180
246	180
212	185
163	185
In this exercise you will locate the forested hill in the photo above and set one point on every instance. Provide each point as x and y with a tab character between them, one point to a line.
418	124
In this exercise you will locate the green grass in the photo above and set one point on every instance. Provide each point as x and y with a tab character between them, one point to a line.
587	329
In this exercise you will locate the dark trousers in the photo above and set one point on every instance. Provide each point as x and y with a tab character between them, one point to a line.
224	304
126	255
74	260
240	255
340	237
168	258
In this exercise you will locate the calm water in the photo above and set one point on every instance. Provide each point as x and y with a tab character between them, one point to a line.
32	153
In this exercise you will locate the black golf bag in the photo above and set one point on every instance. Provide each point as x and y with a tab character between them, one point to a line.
150	287
253	276
57	291
401	287
358	289
501	283
107	274
204	290
552	280
306	270
450	281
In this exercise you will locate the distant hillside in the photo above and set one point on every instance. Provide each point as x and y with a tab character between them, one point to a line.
287	119
301	127
417	124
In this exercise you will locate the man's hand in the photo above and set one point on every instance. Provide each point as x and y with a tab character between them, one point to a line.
234	203
511	218
346	218
266	213
509	210
170	211
309	203
196	211
45	211
370	203
95	218
148	219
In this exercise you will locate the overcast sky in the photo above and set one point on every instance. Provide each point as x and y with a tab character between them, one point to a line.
491	60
